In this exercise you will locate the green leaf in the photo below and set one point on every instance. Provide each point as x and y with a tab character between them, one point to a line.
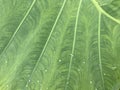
59	45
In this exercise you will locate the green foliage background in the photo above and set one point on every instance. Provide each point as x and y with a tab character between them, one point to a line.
59	44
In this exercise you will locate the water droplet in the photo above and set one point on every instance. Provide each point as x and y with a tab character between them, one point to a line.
104	73
90	82
60	60
46	70
6	61
67	82
26	85
113	68
38	81
83	62
29	81
71	55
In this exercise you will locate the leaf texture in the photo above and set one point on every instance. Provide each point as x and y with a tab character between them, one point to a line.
59	45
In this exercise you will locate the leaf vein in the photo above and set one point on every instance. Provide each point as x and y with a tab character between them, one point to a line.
74	42
99	49
17	29
44	48
104	12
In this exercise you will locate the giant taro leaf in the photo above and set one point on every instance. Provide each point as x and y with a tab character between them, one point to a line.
59	44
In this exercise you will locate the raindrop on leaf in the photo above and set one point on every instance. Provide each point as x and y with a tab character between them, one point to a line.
46	70
90	82
67	82
29	80
79	70
83	62
104	73
6	61
71	55
26	85
60	60
38	81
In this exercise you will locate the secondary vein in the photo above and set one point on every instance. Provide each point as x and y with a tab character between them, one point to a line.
99	49
44	48
104	12
17	29
73	46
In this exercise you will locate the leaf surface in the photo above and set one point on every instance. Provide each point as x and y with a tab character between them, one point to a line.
59	45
